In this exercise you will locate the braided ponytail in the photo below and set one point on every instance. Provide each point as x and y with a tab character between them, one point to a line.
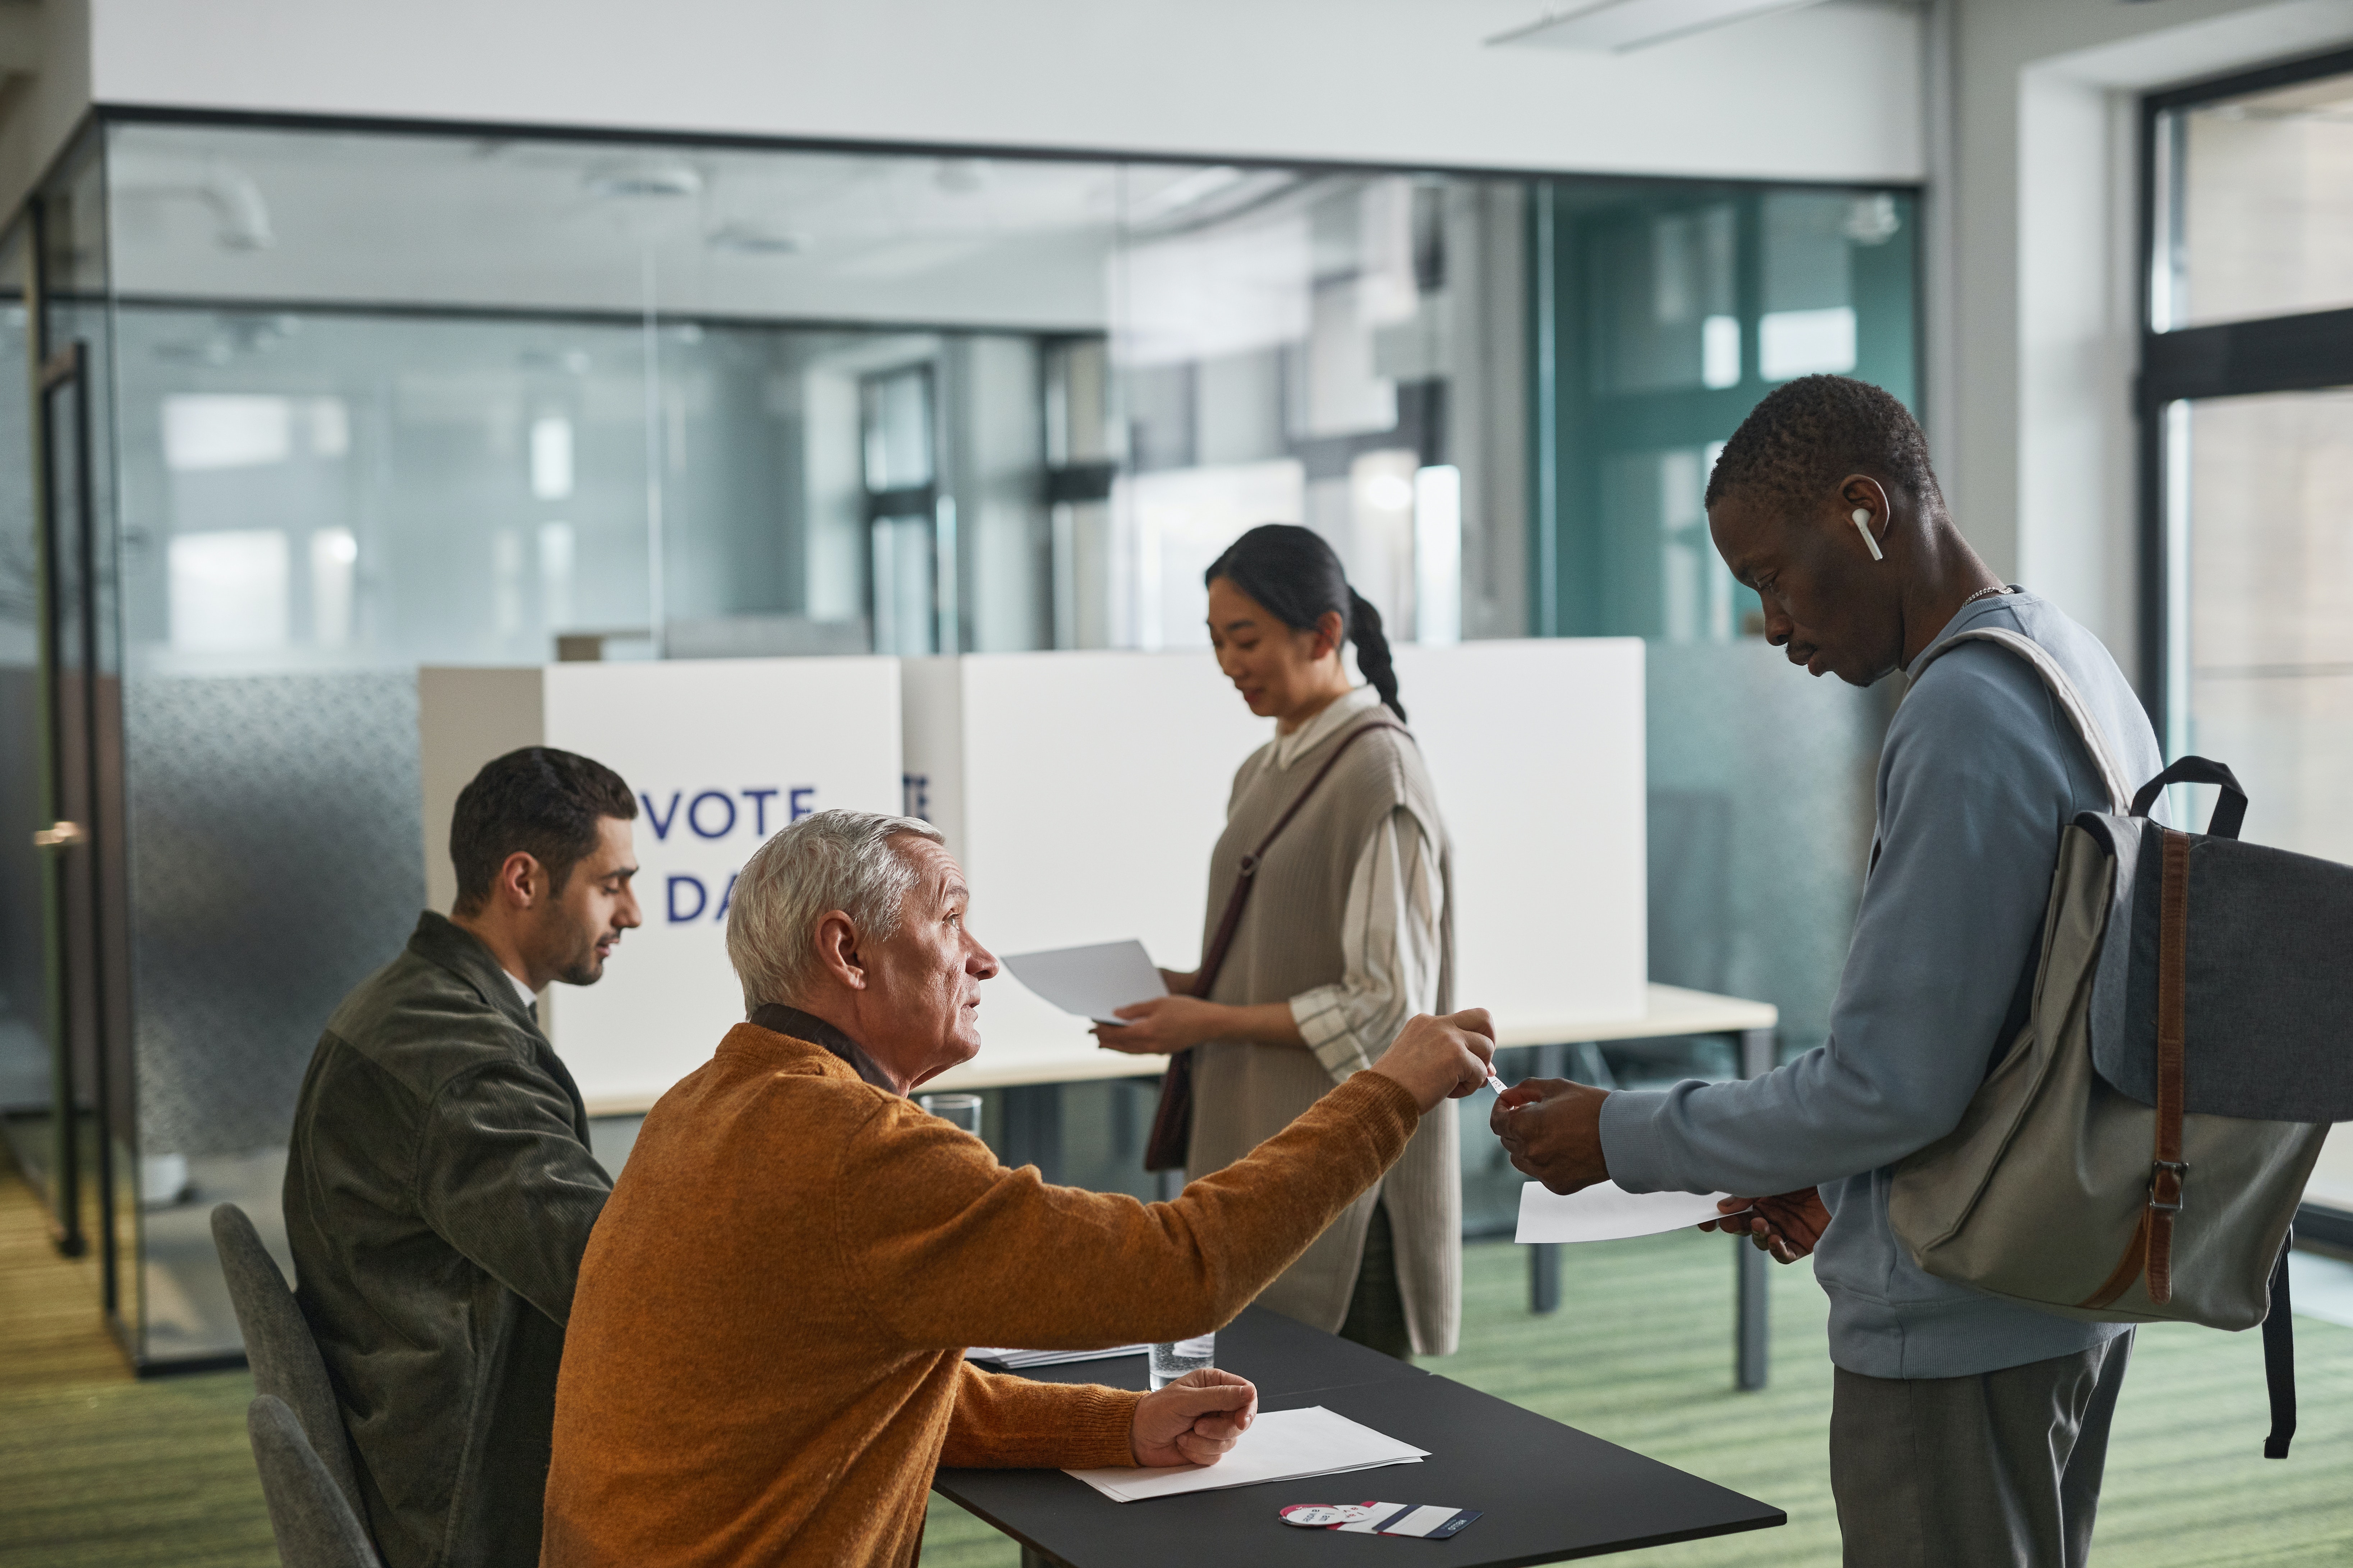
1291	571
1373	650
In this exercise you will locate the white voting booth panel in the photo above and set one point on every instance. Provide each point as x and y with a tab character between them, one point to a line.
721	752
1536	748
1084	791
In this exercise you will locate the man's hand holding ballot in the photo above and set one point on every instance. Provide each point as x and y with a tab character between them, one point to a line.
1552	1130
1786	1225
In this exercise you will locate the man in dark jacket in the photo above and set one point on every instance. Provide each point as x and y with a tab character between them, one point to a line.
439	1190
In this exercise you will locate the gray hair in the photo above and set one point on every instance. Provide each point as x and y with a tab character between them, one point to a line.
832	860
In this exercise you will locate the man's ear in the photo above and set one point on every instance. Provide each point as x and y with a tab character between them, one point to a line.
519	881
836	950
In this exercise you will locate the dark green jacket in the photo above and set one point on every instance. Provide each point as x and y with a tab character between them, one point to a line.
439	1193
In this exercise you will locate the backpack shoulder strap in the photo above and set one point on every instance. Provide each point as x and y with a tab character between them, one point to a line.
2071	702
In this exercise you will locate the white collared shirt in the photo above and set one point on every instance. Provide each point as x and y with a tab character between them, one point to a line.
1389	929
526	992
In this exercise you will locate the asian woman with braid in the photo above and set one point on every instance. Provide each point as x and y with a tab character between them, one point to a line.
1348	932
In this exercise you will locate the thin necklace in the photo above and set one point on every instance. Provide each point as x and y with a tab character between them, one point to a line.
1984	593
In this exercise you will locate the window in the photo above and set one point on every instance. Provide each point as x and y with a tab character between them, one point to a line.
2246	411
1669	310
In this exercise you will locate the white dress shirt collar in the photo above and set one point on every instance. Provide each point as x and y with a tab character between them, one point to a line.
521	990
1335	714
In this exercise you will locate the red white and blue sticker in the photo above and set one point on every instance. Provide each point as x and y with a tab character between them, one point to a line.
1426	1521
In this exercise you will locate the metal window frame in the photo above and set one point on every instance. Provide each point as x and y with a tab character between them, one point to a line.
2306	352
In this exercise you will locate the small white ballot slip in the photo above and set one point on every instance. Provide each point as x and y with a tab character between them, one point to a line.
1425	1521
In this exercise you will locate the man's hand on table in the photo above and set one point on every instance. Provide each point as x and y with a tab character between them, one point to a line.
1786	1225
1193	1420
1440	1058
1552	1130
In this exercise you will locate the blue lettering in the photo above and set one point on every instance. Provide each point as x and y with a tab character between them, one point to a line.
702	897
916	795
799	802
661	824
728	897
694	814
759	799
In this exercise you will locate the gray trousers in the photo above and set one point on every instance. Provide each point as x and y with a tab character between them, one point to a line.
2002	1469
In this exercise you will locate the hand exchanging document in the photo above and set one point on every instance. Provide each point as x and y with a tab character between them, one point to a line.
1194	1420
1786	1225
1552	1130
1440	1058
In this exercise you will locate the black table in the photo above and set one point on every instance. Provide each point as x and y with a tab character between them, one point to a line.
1548	1491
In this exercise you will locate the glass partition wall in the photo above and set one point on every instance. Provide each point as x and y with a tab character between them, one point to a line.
358	402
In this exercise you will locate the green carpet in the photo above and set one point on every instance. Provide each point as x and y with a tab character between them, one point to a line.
1640	1352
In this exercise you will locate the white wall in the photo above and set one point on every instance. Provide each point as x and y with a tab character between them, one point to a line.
1823	93
2036	340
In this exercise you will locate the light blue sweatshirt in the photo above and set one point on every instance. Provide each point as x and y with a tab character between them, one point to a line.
1980	772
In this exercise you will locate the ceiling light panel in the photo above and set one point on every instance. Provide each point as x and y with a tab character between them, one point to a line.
1618	26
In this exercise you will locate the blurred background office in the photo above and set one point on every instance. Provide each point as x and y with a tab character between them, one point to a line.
346	342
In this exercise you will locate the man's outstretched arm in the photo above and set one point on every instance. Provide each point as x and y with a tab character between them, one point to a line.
1002	1422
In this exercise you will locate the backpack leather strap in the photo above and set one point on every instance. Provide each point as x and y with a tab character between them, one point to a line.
2150	1252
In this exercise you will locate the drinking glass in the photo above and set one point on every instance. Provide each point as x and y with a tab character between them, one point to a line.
963	1109
1172	1362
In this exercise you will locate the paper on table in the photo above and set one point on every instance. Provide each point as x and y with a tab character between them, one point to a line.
1091	982
1280	1445
1020	1360
1608	1212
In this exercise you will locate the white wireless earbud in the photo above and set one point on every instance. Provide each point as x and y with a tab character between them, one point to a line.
1862	526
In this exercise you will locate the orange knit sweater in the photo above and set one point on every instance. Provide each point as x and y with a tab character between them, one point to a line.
765	1360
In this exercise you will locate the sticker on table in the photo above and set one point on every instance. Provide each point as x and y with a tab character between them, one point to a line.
1424	1521
1324	1515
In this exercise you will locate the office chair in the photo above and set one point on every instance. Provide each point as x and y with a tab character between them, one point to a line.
314	1526
284	1357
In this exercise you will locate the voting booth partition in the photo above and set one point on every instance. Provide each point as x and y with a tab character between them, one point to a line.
720	753
1083	792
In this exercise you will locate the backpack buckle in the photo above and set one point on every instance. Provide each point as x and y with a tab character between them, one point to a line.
2158	1170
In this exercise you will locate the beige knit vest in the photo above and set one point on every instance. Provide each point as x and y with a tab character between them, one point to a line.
1288	943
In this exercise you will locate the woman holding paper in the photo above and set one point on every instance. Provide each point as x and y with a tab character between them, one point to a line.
1341	932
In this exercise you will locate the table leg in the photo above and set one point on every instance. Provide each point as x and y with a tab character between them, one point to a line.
1544	1257
1751	1355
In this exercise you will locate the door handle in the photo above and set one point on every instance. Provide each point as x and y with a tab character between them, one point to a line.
60	835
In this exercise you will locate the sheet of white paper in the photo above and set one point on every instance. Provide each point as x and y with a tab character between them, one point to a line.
1280	1445
1020	1360
1091	982
1608	1212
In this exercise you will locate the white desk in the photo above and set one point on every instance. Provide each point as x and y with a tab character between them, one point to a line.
1035	1052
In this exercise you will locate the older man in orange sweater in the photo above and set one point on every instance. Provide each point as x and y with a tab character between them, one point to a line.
765	1358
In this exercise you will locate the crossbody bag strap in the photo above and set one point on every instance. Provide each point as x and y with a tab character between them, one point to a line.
1215	958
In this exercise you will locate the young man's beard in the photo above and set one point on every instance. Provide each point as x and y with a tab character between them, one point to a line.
584	968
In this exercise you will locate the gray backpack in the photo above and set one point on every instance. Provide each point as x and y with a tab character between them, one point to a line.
2137	1152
